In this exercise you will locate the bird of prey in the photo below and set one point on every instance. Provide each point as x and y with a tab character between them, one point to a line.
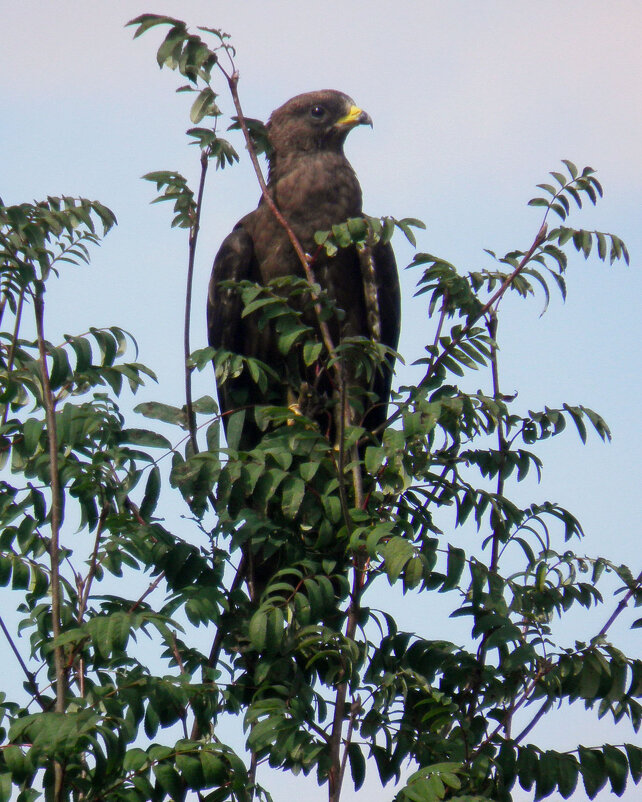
314	187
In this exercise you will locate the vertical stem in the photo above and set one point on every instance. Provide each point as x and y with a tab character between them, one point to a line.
491	325
501	436
55	516
193	239
335	776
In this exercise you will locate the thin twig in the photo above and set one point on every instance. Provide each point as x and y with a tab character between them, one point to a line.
28	674
251	775
621	606
543	709
87	582
220	634
541	236
355	709
151	587
193	239
496	539
541	672
501	437
343	496
335	774
440	325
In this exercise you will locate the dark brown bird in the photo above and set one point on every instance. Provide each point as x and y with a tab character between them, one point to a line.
314	187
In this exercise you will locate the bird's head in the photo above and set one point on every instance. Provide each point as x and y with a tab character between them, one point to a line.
314	121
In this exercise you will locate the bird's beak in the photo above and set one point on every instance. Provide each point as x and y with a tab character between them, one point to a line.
355	116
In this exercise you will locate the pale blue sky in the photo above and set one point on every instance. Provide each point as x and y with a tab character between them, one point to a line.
473	102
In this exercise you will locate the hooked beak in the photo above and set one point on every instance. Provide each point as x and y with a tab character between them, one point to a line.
355	116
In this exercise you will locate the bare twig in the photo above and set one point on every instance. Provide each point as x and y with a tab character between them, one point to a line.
28	674
542	711
85	585
621	606
335	774
355	709
150	589
501	437
220	633
193	239
541	672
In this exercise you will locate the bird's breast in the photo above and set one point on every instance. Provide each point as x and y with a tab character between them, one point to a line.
315	192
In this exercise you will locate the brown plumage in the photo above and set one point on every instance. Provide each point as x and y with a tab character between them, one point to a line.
314	187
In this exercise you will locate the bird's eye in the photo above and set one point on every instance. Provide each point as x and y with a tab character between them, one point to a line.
317	112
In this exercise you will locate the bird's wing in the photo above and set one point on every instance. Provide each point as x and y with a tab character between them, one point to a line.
388	293
234	262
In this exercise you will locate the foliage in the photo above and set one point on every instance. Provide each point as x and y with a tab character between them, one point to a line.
322	680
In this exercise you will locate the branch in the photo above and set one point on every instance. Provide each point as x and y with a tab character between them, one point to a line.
193	239
151	587
495	538
501	437
337	764
541	236
543	709
29	675
86	584
218	638
355	709
621	606
542	671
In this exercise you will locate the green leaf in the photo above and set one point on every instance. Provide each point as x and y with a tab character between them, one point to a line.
169	780
374	458
144	437
455	566
617	769
593	770
357	765
152	494
292	493
634	755
203	106
266	628
396	553
163	412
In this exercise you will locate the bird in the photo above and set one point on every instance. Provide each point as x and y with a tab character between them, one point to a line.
314	187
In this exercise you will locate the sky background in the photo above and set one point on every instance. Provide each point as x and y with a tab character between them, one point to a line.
473	103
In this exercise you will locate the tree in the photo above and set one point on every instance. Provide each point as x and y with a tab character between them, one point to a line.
323	680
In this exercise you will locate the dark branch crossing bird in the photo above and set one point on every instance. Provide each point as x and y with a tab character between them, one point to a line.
314	187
